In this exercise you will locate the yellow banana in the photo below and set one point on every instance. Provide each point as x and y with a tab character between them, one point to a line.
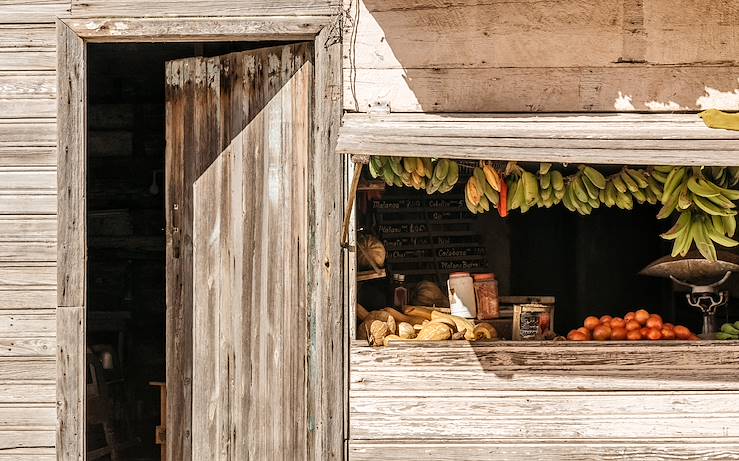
492	176
714	118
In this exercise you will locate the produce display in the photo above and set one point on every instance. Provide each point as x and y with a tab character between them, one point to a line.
728	331
418	324
701	198
634	326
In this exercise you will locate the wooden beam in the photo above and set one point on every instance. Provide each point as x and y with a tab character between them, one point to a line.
87	8
71	237
590	450
327	348
680	139
185	29
71	241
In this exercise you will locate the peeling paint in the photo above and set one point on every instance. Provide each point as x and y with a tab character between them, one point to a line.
92	25
669	105
623	102
717	99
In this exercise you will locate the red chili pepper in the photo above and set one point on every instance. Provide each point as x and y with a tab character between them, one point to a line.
503	202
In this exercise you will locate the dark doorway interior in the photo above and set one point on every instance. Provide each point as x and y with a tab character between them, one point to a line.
125	221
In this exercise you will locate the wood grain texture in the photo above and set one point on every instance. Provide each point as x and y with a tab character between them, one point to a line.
327	348
28	416
28	369
38	132
27	94
577	89
248	381
209	102
32	11
681	139
198	29
87	8
27	276
22	155
28	323
70	384
550	33
540	56
595	396
71	170
595	450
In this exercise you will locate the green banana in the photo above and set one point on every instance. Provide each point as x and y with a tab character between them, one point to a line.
442	168
704	244
638	176
544	168
701	189
722	335
629	181
671	184
729	225
558	181
545	180
531	188
681	224
655	187
729	329
619	183
579	189
590	188
709	207
595	177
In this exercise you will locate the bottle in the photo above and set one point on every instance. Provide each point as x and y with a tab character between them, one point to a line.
462	295
486	296
400	292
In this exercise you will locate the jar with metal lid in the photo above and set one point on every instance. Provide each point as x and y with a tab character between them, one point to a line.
486	296
462	295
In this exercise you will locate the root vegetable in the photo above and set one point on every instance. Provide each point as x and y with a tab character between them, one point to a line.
484	331
459	322
400	317
434	331
406	330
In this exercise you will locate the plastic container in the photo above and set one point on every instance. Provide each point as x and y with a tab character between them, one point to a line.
462	295
486	296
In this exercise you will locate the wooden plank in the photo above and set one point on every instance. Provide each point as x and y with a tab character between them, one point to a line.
27	228
28	203
28	323
327	347
17	251
470	34
13	440
27	369
71	173
597	138
575	89
178	264
27	132
27	36
32	11
20	59
28	299
29	393
28	416
505	366
88	8
27	156
527	416
20	108
70	384
27	178
27	347
591	450
27	276
197	29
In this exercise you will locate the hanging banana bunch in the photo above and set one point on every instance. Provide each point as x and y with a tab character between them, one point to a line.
416	172
705	204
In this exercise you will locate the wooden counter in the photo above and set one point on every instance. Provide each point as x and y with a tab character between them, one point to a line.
622	400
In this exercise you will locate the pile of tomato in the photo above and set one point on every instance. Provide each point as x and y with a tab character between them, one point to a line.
634	326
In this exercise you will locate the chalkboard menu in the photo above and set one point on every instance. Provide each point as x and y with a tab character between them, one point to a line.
428	236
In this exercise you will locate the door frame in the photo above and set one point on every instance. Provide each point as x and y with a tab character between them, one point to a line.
326	359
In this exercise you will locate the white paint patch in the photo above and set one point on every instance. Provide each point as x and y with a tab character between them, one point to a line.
120	26
660	106
717	99
92	25
623	102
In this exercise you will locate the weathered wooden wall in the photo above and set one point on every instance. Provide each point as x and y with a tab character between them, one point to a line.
542	56
28	198
28	228
574	402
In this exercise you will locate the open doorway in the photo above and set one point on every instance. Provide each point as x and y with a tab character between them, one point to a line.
126	303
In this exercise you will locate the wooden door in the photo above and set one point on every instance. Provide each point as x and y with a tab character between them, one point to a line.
238	140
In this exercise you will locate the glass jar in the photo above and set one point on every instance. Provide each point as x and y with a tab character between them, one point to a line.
486	296
462	295
400	292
